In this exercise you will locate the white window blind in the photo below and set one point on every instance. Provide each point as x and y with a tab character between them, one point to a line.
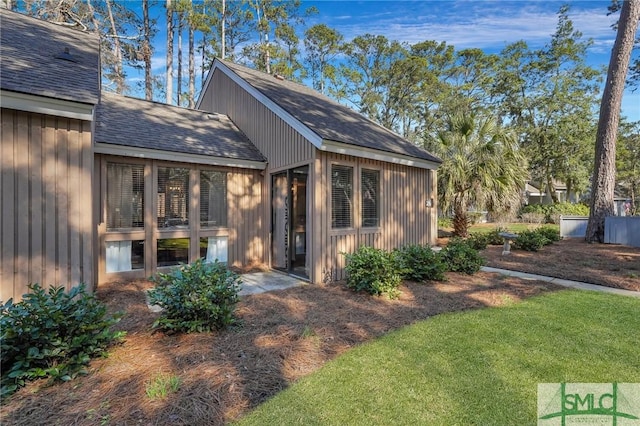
341	196
213	199
125	196
370	181
173	197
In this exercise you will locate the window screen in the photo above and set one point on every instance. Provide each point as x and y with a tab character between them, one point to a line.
173	197
213	199
341	196
370	193
125	196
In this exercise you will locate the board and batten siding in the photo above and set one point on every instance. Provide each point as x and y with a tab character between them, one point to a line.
46	232
281	144
405	217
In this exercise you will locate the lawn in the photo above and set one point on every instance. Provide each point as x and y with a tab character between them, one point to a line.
477	367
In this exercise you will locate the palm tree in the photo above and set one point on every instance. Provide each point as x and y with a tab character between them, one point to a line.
482	167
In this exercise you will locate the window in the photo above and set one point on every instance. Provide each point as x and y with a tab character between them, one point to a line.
370	180
213	199
341	196
173	197
214	248
125	196
124	255
172	251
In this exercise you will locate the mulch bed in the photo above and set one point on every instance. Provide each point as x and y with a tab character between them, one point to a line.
609	265
282	337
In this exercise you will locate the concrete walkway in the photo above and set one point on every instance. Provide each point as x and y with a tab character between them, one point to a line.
259	282
565	283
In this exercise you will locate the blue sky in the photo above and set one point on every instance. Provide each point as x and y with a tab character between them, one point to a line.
485	24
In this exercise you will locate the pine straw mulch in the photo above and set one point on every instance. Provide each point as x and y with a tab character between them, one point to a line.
609	265
283	336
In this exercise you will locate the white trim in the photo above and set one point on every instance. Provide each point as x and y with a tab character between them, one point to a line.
375	154
130	151
44	105
296	124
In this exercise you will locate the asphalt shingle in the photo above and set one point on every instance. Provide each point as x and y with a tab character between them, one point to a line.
30	50
329	119
144	124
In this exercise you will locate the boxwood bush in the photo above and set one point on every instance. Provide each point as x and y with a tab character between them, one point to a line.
52	333
460	256
374	271
420	263
530	241
198	297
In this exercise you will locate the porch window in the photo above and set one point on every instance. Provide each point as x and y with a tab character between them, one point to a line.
370	180
341	196
213	199
173	197
214	248
125	196
124	256
172	251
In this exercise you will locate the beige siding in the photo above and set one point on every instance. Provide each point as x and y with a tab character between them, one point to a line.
245	228
404	215
46	181
276	140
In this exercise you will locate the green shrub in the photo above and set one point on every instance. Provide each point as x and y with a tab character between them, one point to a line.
550	233
552	212
445	222
530	241
478	241
51	333
374	271
493	237
459	256
420	263
196	298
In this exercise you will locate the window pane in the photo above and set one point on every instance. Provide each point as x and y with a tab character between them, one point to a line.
213	199
173	197
173	251
370	192
341	196
214	248
125	196
124	255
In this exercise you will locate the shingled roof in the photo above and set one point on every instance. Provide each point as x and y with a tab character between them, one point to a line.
327	118
138	123
31	51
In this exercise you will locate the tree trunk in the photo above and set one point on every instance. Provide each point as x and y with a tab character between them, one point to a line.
148	87
169	52
603	182
117	52
460	221
223	21
192	69
179	77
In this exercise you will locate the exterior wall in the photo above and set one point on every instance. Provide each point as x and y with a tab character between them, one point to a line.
276	140
244	230
46	231
405	217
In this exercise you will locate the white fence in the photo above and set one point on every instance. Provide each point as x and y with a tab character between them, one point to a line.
617	230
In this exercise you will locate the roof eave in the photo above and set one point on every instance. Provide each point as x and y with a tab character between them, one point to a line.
46	105
130	151
374	154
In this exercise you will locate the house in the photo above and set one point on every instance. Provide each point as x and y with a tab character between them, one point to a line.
265	172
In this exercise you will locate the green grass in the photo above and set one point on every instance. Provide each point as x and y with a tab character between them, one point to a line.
161	386
478	367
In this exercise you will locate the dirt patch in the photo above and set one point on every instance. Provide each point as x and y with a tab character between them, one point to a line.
282	337
610	265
